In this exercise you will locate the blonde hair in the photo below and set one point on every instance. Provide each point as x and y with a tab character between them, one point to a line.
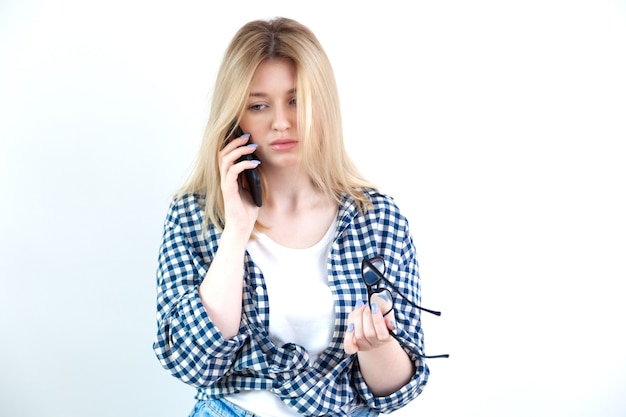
324	156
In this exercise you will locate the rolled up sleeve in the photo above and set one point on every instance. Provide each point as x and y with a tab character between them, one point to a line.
188	343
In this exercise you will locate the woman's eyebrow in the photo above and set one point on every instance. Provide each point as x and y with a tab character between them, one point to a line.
254	94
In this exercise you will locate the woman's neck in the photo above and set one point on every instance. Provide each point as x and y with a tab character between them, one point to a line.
290	190
295	213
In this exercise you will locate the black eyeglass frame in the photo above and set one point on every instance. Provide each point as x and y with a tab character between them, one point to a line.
374	288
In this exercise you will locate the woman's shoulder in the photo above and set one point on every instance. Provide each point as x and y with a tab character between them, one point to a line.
187	210
188	201
382	205
380	199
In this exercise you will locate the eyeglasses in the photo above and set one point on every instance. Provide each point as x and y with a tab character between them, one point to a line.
373	273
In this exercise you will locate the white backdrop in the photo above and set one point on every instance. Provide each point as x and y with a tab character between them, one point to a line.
498	126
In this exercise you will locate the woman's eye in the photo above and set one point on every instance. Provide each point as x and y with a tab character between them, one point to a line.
257	107
292	102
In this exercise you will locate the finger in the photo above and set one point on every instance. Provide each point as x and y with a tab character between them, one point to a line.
390	321
232	145
246	149
231	165
379	325
232	156
237	141
350	345
368	330
383	300
243	180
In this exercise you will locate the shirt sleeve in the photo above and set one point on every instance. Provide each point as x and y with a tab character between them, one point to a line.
188	343
399	398
395	244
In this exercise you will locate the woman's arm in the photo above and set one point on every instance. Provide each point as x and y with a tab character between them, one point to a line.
222	287
188	343
384	364
390	370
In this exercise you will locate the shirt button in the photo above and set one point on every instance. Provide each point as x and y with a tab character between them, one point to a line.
259	290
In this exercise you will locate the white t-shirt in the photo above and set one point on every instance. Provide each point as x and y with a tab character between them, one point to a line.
301	307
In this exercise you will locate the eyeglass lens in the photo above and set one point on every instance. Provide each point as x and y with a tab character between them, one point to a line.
372	270
383	300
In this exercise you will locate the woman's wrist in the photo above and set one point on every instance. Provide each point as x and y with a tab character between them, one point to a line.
386	368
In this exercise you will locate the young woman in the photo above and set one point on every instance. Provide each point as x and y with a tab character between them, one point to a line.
265	309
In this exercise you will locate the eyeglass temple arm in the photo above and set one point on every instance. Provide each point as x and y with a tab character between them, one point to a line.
435	312
421	355
380	275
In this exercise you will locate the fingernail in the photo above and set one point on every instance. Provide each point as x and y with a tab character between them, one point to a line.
245	135
252	145
374	308
358	304
393	325
350	327
256	161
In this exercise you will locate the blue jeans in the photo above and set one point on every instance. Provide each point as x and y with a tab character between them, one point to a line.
218	408
223	408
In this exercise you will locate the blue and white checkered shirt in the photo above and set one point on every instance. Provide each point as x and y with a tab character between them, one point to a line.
190	346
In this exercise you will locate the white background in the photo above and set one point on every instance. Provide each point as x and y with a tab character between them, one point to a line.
499	127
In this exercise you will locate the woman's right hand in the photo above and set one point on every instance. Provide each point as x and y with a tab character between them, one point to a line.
239	210
222	286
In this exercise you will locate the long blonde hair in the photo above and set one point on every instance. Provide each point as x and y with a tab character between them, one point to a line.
318	110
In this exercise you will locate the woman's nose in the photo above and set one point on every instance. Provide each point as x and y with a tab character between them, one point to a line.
281	119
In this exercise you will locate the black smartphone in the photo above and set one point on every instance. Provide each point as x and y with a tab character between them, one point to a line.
252	175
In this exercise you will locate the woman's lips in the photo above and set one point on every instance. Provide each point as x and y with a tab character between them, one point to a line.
283	144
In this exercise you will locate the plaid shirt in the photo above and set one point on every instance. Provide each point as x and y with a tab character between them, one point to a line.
191	347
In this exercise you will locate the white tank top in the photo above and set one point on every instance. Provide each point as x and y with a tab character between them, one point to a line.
301	307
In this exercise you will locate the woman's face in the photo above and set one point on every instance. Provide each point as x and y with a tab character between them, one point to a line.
270	115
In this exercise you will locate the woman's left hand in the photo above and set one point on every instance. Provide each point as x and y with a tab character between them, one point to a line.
368	329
